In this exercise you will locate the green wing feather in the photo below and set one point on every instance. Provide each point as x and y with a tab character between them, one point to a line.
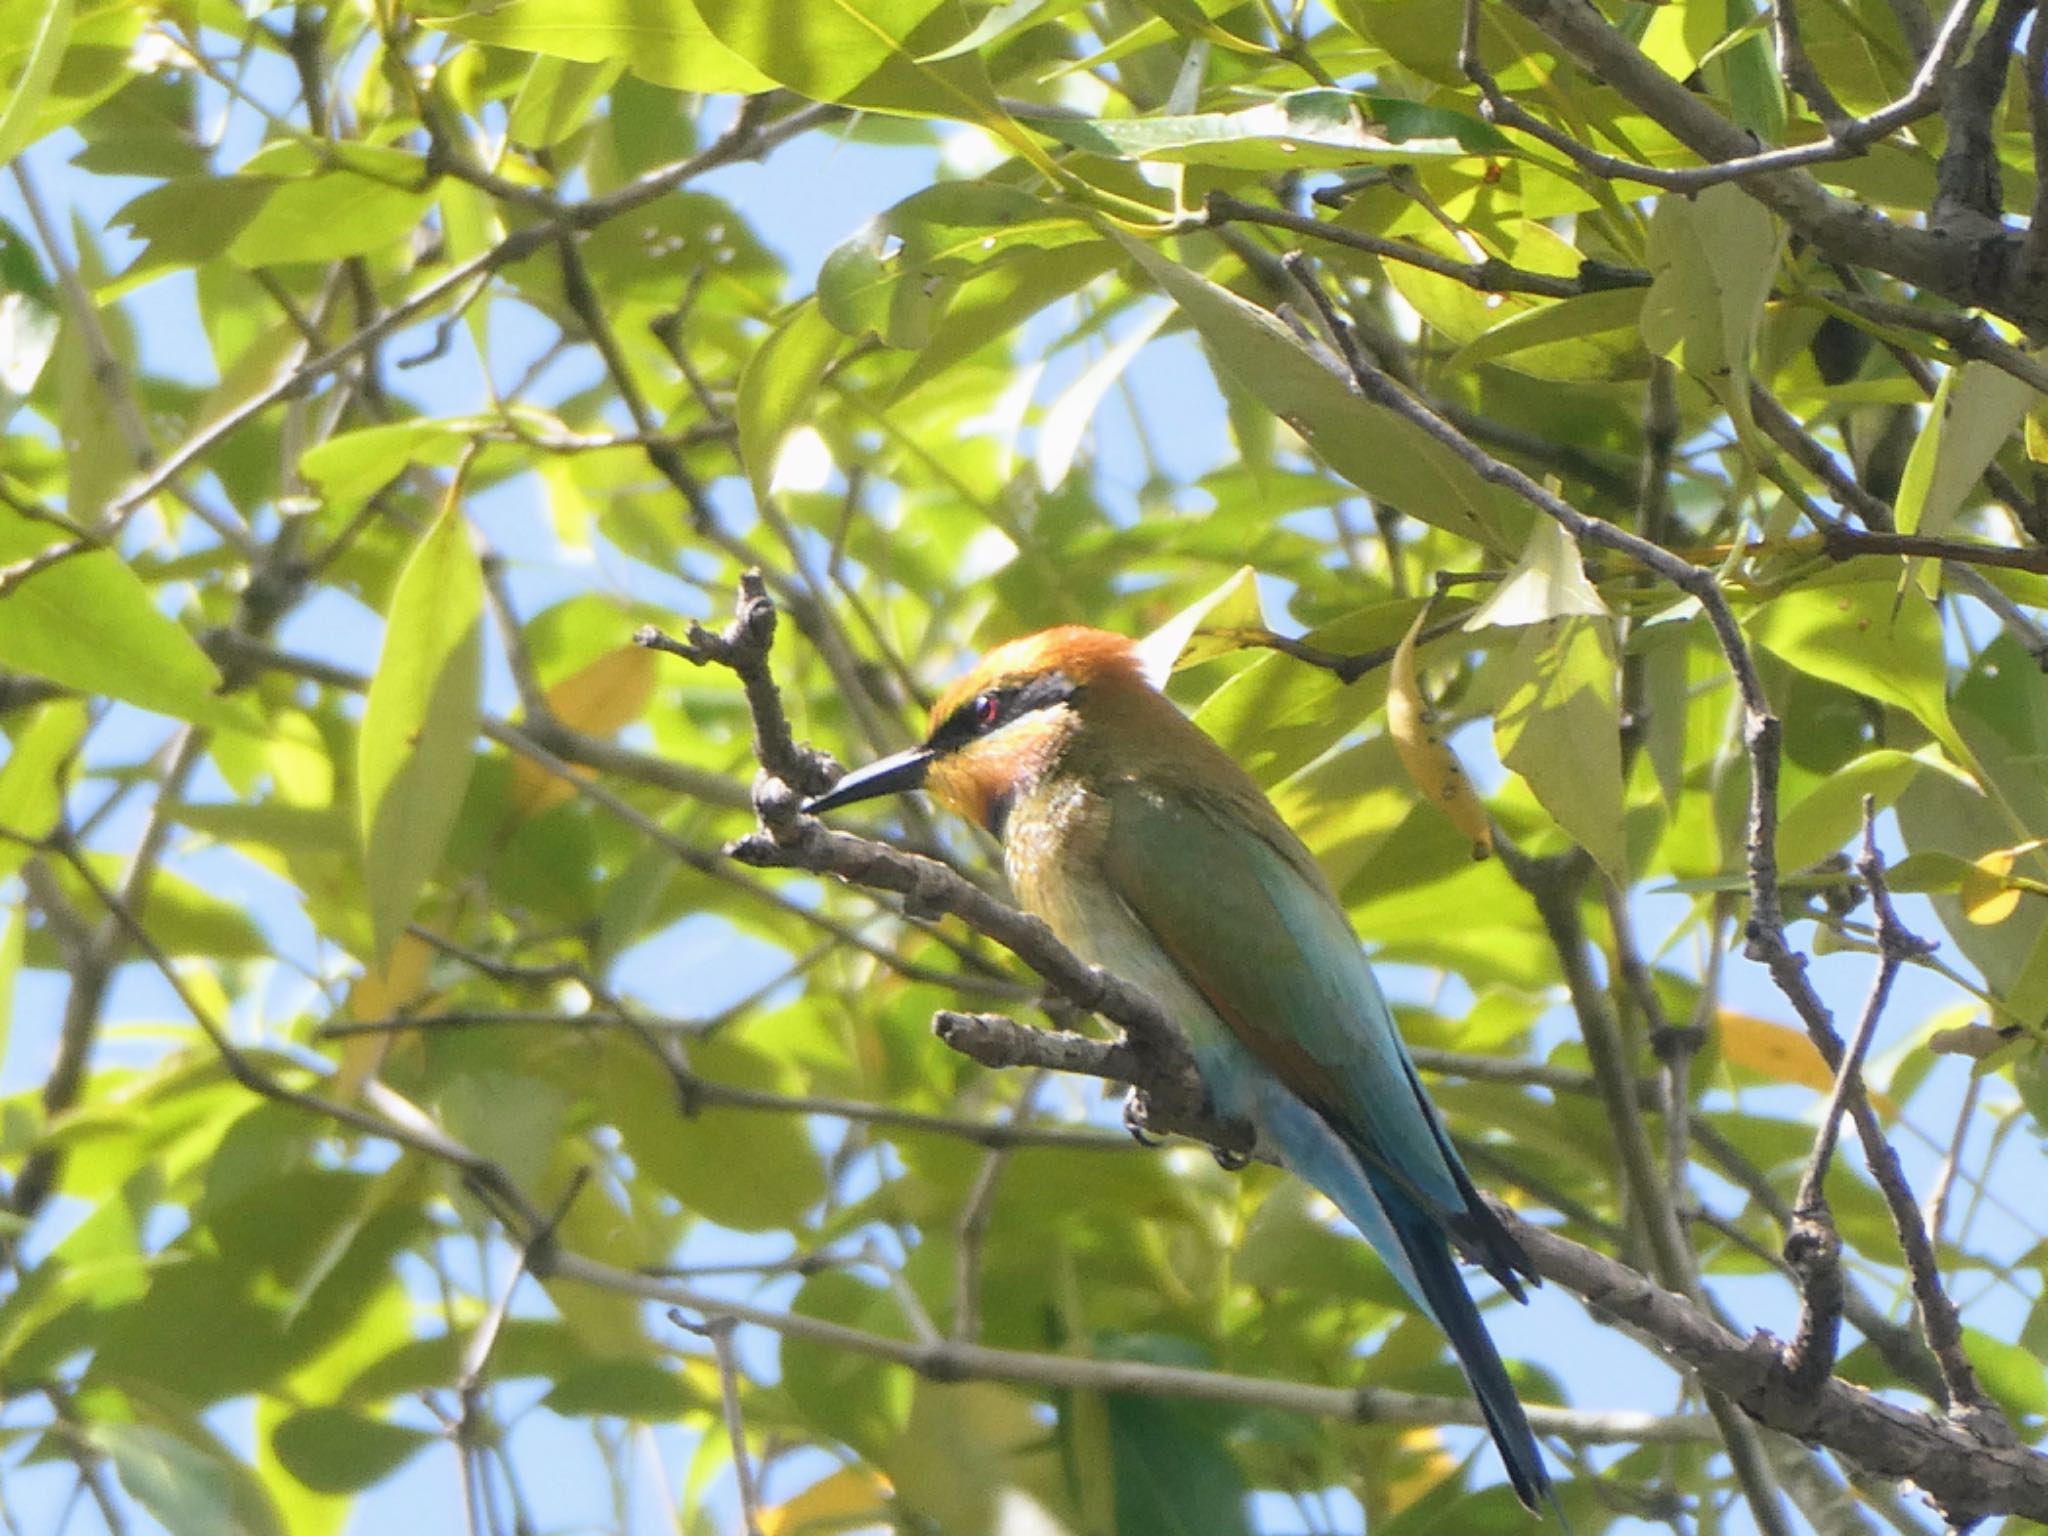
1259	935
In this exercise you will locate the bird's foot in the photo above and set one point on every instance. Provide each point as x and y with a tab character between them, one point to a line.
1230	1160
1138	1118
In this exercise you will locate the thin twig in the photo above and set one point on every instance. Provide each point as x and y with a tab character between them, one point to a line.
970	1229
718	1329
1813	1245
1951	1161
1489	276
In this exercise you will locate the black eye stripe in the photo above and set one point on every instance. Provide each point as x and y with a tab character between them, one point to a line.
995	708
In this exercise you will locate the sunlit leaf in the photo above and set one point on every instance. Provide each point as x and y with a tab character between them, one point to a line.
776	392
419	723
1558	726
1304	130
87	621
32	780
32	40
1714	257
1976	409
600	698
1374	449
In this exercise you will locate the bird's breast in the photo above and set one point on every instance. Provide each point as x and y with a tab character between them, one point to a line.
1053	851
1052	842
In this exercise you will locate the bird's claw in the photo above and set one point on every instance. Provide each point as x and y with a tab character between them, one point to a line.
1138	1117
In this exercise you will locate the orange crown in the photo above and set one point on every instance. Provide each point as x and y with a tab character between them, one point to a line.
1089	658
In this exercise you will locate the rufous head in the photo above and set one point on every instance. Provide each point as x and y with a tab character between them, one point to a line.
1000	726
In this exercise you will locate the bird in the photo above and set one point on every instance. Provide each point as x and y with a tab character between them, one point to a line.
1149	851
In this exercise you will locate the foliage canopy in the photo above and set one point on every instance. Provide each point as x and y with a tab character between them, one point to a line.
1637	400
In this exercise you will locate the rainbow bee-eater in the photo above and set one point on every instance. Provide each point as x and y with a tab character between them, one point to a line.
1149	851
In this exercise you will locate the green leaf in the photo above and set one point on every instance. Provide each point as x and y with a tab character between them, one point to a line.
417	748
13	943
33	777
1233	607
663	41
89	623
337	1450
1304	130
994	302
2014	1375
1976	409
895	276
1713	259
1376	450
1870	638
29	321
849	1397
1827	816
622	1388
351	466
557	98
1594	336
780	383
32	39
98	452
1175	1475
190	1491
375	201
693	1155
188	220
181	916
1560	729
883	55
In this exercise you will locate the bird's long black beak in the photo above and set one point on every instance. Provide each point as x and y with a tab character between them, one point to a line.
890	776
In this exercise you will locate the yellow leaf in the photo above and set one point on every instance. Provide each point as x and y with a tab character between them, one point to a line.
1988	893
830	1504
597	700
1424	753
1780	1053
382	992
608	694
1436	1464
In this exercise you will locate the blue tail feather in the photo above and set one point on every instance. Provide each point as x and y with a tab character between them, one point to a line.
1416	1247
1443	1288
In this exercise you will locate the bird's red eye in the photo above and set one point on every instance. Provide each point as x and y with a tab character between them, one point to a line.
986	708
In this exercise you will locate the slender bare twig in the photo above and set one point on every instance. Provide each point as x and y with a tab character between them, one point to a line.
1813	1245
391	1117
718	1329
743	647
970	1228
1973	267
1489	276
1951	1162
1966	334
945	1359
1797	67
